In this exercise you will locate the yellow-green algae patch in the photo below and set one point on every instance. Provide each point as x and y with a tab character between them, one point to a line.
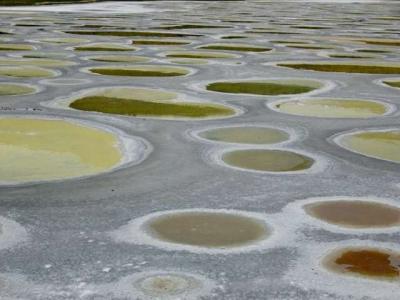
42	149
27	71
189	61
350	56
104	47
267	160
68	40
393	83
41	62
383	42
132	33
207	229
333	108
147	102
265	87
308	46
16	47
235	47
140	70
200	54
12	89
245	135
160	42
120	58
378	144
345	67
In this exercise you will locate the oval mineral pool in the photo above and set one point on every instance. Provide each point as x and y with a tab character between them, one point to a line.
332	108
392	83
200	54
345	67
168	285
140	70
267	160
26	71
40	62
66	40
161	42
147	102
13	89
206	229
245	135
369	262
354	213
236	47
16	47
46	149
120	58
104	47
378	144
265	87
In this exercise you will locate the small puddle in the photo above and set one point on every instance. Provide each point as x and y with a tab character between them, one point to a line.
368	262
267	160
167	284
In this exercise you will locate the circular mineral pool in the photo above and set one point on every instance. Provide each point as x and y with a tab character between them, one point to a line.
352	213
332	108
13	89
265	87
245	135
206	229
267	160
373	143
48	149
140	71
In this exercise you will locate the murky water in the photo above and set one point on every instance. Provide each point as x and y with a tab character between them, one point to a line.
355	213
378	144
207	229
268	160
246	135
370	262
